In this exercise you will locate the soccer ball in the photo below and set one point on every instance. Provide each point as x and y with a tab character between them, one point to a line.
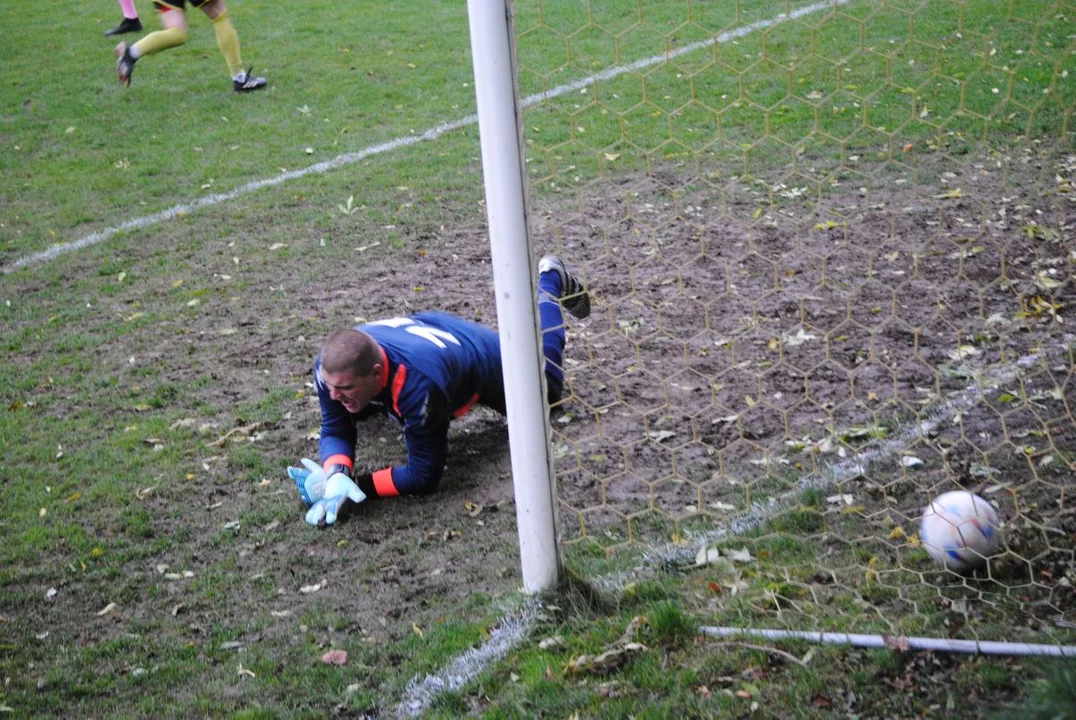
959	530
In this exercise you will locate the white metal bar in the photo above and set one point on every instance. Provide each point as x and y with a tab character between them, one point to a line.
975	647
492	50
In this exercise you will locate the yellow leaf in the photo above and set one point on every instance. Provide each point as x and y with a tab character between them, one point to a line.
757	214
750	401
611	156
417	630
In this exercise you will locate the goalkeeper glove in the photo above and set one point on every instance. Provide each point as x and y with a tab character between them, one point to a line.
310	481
338	489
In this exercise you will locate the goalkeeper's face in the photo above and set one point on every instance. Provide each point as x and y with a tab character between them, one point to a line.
352	390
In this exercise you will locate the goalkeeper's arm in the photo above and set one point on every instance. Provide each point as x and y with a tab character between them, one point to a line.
426	435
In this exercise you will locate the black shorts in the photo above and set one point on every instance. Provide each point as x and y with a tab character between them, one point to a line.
177	4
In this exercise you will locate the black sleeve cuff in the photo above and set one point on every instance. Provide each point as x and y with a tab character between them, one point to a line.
366	484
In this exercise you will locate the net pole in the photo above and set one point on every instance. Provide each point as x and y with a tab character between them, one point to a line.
893	642
492	50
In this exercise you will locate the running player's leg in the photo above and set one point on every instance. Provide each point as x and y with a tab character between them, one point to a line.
175	33
130	22
228	42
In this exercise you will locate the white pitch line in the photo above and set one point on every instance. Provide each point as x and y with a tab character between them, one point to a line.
514	629
433	133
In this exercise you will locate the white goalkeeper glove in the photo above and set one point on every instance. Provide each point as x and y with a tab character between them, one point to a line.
338	489
310	481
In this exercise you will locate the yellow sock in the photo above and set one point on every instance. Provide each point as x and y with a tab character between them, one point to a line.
228	42
159	40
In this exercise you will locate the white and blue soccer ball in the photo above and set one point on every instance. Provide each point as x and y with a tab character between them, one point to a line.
960	530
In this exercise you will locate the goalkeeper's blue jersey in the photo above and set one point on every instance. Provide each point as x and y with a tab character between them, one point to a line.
436	368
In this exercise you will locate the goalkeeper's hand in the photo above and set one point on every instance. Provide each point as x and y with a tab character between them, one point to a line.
338	489
310	480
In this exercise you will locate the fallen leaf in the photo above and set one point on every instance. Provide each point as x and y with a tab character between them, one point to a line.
799	338
964	351
551	642
243	671
741	555
417	630
314	588
50	594
707	556
107	609
335	657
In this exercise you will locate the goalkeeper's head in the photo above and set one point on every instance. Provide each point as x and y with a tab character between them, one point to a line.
353	368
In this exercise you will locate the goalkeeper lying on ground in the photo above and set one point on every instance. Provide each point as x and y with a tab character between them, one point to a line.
423	370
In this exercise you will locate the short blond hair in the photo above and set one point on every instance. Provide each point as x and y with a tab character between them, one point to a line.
350	350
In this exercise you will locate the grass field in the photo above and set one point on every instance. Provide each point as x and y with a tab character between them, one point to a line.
842	235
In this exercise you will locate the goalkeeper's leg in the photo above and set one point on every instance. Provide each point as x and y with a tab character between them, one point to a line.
551	318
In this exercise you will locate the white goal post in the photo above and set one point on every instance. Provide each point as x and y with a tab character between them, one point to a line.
497	94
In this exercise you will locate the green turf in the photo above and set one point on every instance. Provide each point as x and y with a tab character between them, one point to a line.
101	475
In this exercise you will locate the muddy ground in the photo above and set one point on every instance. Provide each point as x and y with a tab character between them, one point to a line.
745	336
